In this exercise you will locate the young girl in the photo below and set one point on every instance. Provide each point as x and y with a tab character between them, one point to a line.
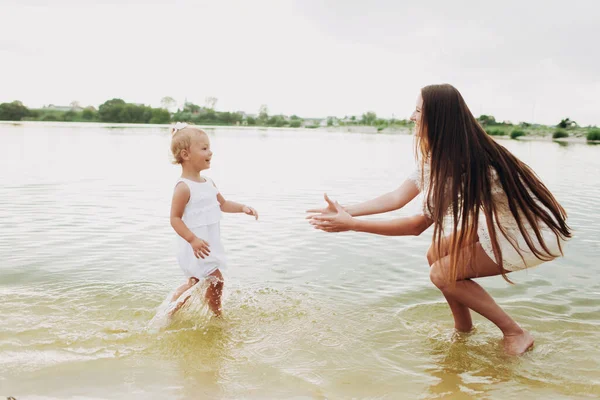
195	214
501	217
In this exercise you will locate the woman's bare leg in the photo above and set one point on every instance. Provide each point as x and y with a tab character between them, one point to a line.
461	313
470	294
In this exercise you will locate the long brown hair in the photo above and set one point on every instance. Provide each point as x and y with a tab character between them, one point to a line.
461	156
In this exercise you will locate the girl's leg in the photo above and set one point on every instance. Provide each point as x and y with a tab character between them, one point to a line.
470	294
179	291
460	312
214	292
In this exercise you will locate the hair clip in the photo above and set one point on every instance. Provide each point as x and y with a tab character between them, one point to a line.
178	126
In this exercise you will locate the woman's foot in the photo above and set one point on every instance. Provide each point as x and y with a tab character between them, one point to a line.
517	344
458	334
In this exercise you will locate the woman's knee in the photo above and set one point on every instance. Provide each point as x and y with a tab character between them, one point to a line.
437	276
430	255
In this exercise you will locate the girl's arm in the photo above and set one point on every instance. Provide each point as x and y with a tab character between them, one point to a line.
229	206
388	202
181	196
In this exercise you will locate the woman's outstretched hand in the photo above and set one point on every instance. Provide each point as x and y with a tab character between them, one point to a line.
333	218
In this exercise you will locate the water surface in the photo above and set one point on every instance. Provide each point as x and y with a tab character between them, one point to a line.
88	255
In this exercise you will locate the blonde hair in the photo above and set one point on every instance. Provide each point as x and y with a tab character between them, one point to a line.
181	139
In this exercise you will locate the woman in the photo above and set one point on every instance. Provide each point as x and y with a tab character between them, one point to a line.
491	214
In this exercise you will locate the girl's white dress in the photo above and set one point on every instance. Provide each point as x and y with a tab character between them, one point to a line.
202	215
514	257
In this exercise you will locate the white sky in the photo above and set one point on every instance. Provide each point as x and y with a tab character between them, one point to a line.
526	60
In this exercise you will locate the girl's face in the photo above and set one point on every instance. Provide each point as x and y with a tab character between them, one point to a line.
416	115
199	153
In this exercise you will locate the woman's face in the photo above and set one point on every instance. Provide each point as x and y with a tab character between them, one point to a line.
416	115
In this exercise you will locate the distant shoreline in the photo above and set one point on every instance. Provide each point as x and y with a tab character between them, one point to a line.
345	128
338	129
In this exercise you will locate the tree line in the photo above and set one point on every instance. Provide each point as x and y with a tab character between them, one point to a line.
119	111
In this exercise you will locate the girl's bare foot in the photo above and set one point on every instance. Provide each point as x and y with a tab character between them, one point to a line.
176	301
178	304
518	344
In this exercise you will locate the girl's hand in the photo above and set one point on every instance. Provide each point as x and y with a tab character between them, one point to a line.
200	247
333	219
250	211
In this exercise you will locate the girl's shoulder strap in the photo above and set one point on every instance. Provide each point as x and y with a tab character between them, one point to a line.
210	181
180	180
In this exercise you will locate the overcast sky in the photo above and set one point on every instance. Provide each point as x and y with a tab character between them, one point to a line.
526	60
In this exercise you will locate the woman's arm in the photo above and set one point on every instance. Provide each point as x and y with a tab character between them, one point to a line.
388	202
342	221
409	226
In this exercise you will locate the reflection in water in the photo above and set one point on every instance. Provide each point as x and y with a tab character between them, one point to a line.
200	355
466	368
561	143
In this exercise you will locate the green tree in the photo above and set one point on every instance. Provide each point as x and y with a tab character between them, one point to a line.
560	133
209	116
516	133
566	123
593	134
14	111
263	115
191	108
183	116
210	102
160	116
238	117
133	113
277	121
89	114
49	117
168	103
111	110
368	118
486	120
69	116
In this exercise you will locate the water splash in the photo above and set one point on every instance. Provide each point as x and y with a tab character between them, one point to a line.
190	306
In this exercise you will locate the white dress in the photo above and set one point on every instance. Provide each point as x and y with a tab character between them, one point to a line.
202	215
514	258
